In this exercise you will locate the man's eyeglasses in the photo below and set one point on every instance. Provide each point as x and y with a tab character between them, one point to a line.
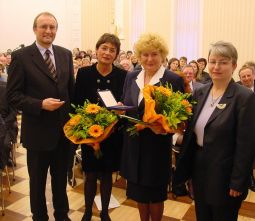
45	27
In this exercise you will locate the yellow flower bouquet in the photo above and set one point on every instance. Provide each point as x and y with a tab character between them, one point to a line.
90	125
165	111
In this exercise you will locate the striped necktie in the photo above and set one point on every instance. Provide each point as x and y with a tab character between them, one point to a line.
50	65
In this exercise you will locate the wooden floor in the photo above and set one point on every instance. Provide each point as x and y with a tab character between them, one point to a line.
18	208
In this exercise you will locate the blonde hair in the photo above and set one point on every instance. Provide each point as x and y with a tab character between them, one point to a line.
224	49
151	41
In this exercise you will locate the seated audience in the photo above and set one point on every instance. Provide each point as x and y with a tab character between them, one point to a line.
129	54
9	116
85	62
202	76
134	60
173	65
247	77
76	52
82	54
127	65
183	61
194	64
3	76
189	74
89	52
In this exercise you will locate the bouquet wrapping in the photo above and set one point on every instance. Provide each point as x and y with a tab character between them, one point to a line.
165	111
90	125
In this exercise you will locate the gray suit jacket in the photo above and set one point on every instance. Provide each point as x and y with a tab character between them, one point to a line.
196	85
29	82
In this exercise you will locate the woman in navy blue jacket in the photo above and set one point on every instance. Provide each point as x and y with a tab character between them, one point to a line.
146	158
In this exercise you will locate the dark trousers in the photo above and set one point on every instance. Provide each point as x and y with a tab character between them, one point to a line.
38	163
206	212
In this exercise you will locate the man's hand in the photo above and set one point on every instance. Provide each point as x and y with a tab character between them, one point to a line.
234	193
51	104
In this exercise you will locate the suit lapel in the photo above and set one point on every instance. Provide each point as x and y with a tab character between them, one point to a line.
224	102
134	92
38	60
163	80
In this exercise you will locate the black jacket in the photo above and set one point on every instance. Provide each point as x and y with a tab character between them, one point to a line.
228	146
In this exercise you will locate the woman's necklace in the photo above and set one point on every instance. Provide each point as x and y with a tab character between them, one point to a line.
213	101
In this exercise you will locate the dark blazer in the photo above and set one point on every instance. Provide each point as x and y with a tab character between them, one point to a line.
239	82
8	113
29	82
88	82
228	147
146	158
3	103
205	78
196	85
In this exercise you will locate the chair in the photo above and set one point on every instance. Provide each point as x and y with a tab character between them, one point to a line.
13	152
180	190
13	158
4	154
77	158
2	187
174	154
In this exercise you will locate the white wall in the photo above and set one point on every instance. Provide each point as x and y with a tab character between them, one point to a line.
17	18
233	21
82	22
97	18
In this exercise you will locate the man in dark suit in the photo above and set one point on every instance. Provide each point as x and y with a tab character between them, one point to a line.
189	74
247	79
42	91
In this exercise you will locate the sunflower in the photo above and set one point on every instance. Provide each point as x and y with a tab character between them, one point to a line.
92	109
165	91
188	109
185	103
165	111
75	120
95	130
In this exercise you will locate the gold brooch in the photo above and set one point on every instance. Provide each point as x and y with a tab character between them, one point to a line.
221	106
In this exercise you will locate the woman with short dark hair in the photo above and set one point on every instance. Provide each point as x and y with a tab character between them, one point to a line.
101	76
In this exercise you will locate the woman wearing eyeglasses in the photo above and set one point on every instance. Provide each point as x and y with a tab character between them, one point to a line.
219	144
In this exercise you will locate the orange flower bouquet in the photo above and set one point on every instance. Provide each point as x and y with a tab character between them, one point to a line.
165	111
90	125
